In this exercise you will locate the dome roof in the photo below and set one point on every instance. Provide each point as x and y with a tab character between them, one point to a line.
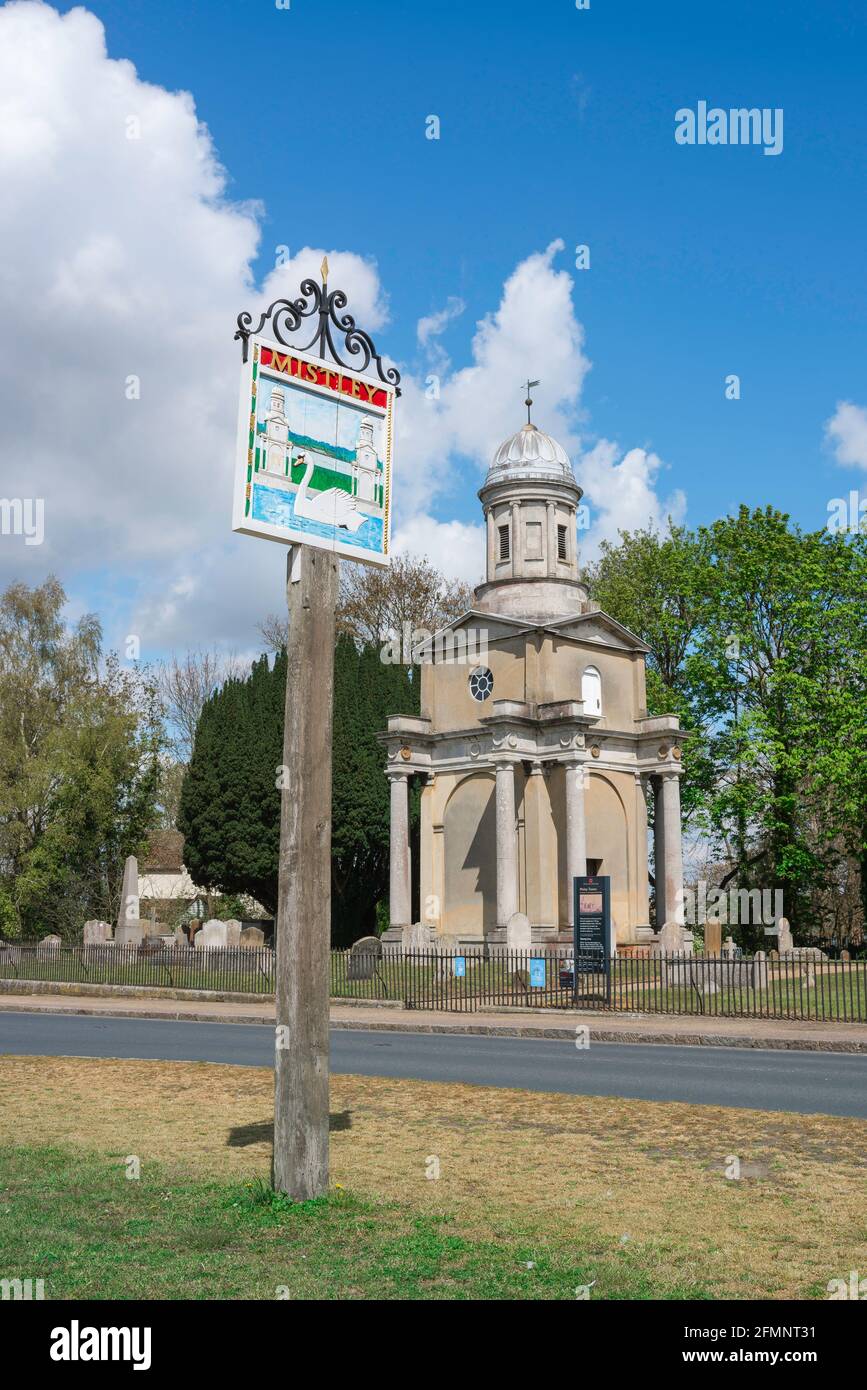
530	454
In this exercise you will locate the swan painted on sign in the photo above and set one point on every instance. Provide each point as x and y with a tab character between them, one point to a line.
334	507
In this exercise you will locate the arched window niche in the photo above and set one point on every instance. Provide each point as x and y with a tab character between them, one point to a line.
591	691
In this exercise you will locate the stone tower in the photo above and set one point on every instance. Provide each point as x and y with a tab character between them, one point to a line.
530	500
535	758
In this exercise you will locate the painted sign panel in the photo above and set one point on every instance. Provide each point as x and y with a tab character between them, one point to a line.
314	454
537	973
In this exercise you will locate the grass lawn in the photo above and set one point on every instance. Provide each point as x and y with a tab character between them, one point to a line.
537	1194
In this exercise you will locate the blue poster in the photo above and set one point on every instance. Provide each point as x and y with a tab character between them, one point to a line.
537	974
460	967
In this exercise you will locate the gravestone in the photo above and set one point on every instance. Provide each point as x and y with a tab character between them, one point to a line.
784	938
671	939
760	971
672	943
845	955
518	932
729	948
129	929
150	926
252	938
95	933
212	935
416	936
712	938
364	958
49	944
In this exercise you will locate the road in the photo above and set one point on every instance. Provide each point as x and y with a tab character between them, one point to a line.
827	1083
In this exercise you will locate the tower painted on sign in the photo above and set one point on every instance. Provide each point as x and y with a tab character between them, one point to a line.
536	766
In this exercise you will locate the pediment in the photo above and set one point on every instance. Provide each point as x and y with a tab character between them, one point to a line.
597	626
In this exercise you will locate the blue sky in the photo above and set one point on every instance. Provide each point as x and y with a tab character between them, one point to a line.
555	124
559	123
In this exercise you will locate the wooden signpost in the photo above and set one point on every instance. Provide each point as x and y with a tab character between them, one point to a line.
313	470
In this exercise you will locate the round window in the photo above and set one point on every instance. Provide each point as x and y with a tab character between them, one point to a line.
481	683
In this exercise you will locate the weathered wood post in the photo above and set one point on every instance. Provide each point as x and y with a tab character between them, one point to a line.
303	929
290	394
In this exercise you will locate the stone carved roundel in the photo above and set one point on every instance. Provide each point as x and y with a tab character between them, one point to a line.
481	683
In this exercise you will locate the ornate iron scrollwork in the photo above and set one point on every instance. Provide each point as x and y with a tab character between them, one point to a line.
288	315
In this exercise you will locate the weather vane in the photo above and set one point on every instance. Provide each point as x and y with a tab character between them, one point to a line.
529	401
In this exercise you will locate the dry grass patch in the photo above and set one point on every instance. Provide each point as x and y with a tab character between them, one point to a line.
640	1181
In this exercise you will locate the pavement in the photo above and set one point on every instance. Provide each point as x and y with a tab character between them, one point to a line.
691	1030
752	1078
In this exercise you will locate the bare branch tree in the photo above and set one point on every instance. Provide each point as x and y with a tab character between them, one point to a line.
273	630
373	602
185	684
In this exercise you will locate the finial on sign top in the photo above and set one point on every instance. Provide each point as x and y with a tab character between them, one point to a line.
323	270
529	401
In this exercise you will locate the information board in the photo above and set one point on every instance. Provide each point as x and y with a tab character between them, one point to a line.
592	940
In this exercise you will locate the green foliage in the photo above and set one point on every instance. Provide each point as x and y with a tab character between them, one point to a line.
366	692
757	637
230	801
79	751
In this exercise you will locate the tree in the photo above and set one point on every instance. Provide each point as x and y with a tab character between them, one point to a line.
780	674
185	684
657	586
79	750
230	805
756	632
366	692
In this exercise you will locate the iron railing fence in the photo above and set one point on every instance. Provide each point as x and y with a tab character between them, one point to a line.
793	987
235	969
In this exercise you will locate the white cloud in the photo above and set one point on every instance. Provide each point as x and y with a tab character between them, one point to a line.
847	428
125	257
455	547
432	326
620	493
533	333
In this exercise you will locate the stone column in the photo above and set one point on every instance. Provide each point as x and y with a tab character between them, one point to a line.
640	888
541	852
576	833
673	850
400	898
551	567
517	547
507	844
492	546
659	851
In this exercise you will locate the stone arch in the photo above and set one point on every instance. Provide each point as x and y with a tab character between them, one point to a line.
609	840
470	857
